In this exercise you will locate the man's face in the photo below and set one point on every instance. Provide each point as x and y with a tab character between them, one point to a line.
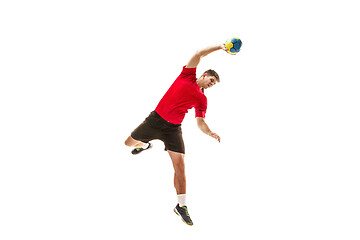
208	81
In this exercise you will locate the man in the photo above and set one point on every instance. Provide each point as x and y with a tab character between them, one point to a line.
165	122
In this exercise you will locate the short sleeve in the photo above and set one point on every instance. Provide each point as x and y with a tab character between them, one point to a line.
188	71
200	113
200	109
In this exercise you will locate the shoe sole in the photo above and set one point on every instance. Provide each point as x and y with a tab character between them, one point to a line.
177	213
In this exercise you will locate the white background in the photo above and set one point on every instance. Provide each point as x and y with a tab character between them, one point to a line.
78	76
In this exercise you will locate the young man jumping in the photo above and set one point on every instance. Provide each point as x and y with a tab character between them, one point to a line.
164	123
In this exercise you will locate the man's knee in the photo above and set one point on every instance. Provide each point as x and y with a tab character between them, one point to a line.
129	141
178	161
179	169
179	166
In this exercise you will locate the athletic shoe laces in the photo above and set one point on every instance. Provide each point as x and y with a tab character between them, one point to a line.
186	211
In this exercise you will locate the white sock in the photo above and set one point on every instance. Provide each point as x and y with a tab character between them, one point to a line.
146	146
182	199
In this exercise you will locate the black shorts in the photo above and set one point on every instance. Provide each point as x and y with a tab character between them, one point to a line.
155	127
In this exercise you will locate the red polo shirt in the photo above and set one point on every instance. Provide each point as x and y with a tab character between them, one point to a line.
183	95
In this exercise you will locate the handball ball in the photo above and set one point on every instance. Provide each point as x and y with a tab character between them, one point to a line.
233	45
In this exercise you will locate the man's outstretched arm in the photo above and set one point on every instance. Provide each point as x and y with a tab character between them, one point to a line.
195	59
205	128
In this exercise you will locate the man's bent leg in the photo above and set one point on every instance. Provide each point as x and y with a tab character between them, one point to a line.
139	146
131	142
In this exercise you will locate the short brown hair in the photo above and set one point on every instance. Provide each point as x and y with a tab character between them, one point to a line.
211	72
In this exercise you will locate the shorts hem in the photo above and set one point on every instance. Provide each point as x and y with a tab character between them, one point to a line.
131	135
177	151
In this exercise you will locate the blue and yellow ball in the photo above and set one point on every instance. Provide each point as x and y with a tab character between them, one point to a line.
233	45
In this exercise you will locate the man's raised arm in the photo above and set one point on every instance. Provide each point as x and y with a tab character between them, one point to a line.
195	59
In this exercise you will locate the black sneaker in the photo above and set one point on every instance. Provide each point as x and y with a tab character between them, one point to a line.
139	150
184	214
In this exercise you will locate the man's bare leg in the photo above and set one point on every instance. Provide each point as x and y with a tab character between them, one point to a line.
139	146
130	142
179	176
180	186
